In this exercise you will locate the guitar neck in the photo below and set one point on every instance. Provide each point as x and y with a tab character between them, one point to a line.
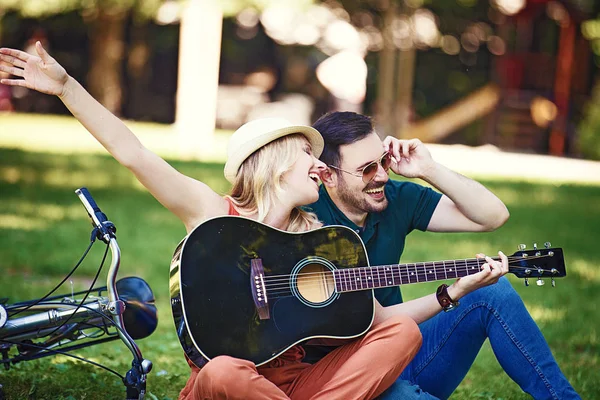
363	278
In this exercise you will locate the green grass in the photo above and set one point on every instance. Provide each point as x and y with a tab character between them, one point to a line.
44	229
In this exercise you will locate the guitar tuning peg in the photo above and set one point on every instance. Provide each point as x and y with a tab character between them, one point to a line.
540	282
553	283
535	246
526	281
547	245
521	247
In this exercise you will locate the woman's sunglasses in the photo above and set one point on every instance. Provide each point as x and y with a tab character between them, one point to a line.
368	172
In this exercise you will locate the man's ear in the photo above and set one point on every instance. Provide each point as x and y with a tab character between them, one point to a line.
329	178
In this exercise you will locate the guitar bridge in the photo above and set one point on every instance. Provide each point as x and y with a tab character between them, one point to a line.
258	288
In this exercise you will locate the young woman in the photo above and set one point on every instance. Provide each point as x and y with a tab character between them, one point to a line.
274	169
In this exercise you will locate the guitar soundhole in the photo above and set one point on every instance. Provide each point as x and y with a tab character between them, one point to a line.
314	283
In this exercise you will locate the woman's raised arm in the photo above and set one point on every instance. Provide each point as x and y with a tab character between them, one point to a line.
190	200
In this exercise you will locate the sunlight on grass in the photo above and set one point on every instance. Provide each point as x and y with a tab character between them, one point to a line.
10	174
64	134
543	314
468	249
586	270
542	196
58	178
586	340
19	222
52	212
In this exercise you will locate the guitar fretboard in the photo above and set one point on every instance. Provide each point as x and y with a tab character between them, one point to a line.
352	279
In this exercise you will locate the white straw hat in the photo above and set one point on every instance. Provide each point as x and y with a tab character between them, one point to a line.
255	134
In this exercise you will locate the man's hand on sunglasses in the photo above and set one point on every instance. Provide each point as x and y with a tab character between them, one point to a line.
411	158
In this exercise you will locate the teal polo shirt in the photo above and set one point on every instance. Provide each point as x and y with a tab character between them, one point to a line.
410	207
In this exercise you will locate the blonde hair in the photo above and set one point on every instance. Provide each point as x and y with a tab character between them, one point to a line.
257	184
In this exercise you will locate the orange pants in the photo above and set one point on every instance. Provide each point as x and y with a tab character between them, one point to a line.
361	369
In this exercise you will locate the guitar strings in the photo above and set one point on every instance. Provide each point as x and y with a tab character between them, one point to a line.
285	291
275	281
468	262
348	280
327	278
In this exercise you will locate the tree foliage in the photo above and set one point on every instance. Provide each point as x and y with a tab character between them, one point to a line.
45	8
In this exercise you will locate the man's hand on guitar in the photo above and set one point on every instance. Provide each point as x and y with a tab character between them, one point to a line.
490	272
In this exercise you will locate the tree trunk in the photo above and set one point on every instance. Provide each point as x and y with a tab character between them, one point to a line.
405	76
106	58
404	90
198	77
385	79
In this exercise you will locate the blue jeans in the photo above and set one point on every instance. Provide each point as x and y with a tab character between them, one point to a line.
452	340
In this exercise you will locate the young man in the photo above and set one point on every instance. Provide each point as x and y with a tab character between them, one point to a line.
357	192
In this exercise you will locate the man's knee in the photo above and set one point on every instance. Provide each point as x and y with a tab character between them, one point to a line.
497	295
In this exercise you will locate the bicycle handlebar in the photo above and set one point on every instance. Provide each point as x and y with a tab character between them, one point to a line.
135	378
106	229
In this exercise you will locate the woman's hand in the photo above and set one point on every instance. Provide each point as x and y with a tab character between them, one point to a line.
41	73
490	272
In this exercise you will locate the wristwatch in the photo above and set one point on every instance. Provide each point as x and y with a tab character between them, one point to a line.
444	298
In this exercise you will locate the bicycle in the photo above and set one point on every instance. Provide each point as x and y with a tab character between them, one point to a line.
53	324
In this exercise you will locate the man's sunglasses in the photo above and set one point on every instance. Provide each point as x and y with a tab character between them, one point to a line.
368	172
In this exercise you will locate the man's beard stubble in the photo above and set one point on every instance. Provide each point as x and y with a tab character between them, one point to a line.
358	200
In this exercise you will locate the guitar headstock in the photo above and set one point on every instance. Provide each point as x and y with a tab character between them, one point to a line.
538	263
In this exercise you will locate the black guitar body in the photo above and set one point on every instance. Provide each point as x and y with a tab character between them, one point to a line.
243	289
213	289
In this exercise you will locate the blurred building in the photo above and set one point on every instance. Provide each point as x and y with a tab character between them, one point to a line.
544	70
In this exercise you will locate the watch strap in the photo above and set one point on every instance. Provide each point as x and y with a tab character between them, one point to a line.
444	298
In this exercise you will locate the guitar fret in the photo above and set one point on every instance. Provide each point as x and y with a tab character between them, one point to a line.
372	278
399	282
453	271
403	273
477	268
360	280
363	278
445	272
433	271
480	262
466	271
423	273
346	280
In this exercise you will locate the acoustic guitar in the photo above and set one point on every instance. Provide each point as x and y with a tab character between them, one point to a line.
244	289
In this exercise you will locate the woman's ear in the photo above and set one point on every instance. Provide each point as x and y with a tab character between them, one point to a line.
328	177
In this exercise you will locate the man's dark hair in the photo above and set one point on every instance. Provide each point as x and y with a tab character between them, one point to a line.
340	128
